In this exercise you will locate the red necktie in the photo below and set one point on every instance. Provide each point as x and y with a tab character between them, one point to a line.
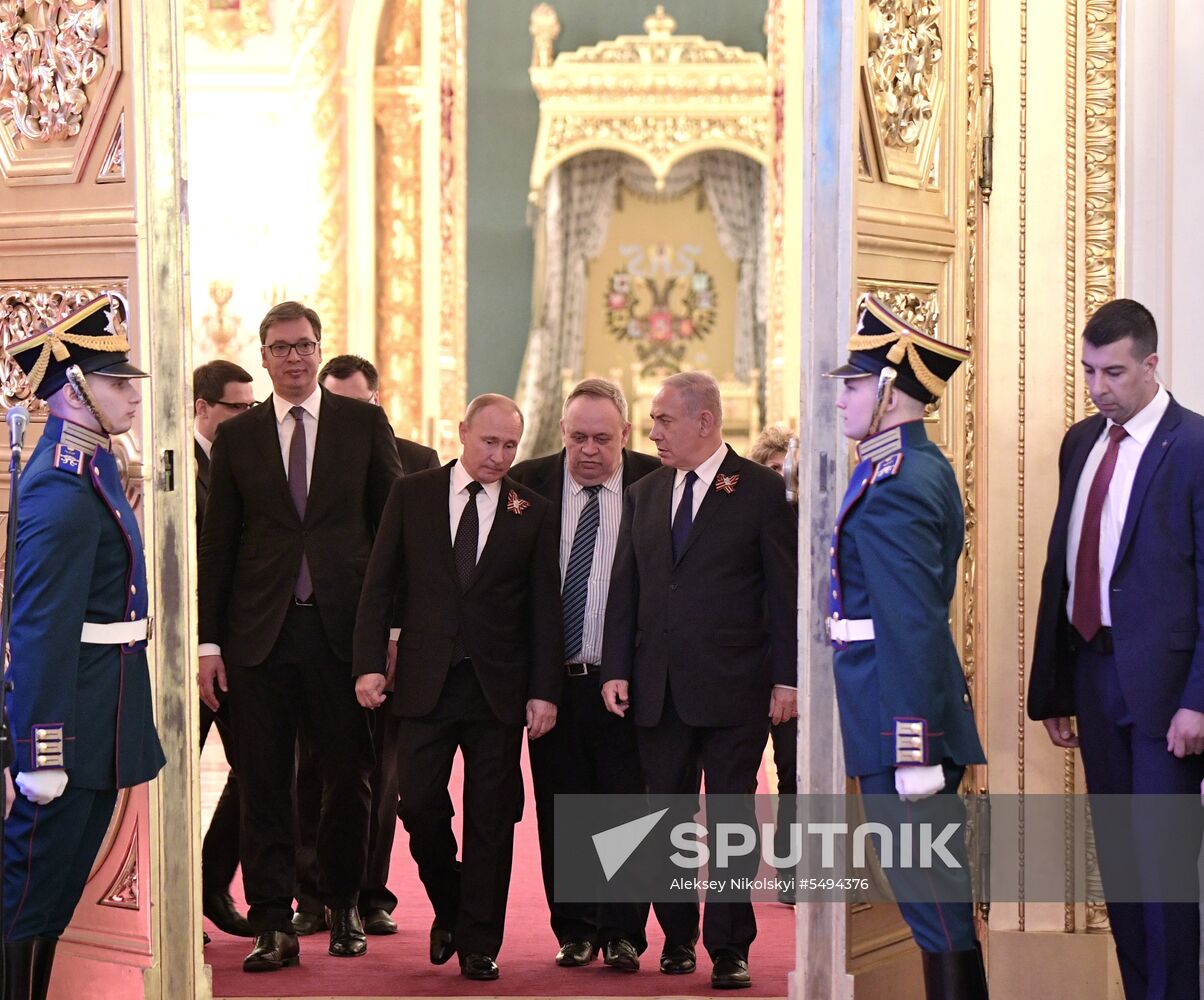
1087	615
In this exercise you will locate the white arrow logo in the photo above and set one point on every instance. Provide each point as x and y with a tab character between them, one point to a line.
616	845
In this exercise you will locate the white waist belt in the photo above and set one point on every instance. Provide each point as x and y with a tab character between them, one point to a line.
850	629
116	633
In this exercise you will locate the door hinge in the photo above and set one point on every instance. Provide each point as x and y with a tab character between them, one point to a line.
986	112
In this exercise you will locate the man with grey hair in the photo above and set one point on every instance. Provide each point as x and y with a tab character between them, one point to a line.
590	750
465	563
700	638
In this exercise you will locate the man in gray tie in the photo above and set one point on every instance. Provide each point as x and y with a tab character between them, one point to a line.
590	750
296	489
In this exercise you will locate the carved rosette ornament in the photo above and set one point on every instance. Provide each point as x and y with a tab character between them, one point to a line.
50	51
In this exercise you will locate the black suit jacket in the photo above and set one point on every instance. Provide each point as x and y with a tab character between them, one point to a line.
719	623
546	476
202	485
252	539
416	457
506	619
1157	587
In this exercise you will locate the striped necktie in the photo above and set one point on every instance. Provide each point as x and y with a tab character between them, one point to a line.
576	577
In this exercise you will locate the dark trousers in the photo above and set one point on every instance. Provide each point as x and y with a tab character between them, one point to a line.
728	758
935	902
374	892
785	761
1157	943
48	854
588	751
300	685
468	896
219	849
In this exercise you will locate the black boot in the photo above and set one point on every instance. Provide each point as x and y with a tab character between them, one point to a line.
43	961
18	968
955	975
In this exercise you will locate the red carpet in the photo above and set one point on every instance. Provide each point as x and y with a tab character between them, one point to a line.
398	966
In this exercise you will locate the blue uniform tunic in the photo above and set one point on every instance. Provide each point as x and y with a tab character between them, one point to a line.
83	707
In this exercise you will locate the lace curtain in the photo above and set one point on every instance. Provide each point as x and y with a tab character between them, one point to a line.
571	230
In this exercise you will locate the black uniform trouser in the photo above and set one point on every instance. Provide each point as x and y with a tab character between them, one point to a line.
729	758
785	761
588	751
468	896
219	849
48	854
301	684
374	892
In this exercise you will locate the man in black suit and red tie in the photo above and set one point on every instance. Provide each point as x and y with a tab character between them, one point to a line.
220	390
590	750
296	490
700	639
356	377
465	563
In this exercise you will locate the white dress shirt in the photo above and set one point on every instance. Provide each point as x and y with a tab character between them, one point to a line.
204	442
486	504
285	425
1140	428
706	472
610	513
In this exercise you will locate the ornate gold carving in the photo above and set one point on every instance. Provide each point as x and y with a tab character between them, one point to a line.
24	310
224	331
904	50
1100	215
112	167
122	892
1022	388
226	24
50	52
915	306
658	97
316	35
453	214
776	409
545	29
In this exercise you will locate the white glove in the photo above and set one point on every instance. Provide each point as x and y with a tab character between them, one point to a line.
42	787
916	783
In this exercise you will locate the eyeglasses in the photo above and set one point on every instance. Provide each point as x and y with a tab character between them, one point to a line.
237	407
304	348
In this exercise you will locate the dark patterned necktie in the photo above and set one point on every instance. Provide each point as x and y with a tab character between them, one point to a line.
684	518
576	577
298	489
464	549
1087	615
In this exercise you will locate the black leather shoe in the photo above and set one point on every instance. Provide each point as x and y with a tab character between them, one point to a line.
219	908
730	972
347	939
678	960
574	954
478	967
621	954
273	950
442	945
378	921
305	924
205	939
955	974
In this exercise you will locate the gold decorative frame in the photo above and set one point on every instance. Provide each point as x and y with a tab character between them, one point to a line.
658	97
226	25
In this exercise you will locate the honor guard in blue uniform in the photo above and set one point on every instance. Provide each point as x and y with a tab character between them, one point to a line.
905	712
80	708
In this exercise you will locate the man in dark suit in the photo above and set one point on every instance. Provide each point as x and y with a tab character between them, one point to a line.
590	750
296	489
478	657
1117	644
220	390
356	377
700	638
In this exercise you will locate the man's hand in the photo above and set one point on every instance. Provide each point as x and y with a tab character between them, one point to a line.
391	666
1061	732
210	677
370	690
42	787
541	717
1186	735
783	704
10	793
614	697
916	783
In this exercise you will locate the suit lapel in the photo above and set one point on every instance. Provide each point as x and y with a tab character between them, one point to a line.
661	502
1155	451
202	465
1074	472
267	439
325	473
499	534
711	501
438	504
